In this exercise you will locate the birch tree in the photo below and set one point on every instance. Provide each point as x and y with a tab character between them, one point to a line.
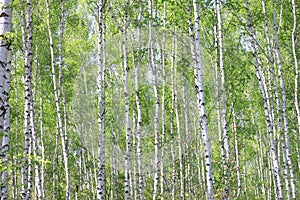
26	180
101	105
284	110
139	109
264	91
224	101
5	60
199	85
63	137
157	102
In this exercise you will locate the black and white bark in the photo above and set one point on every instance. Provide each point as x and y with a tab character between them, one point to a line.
101	176
57	95
199	85
225	135
284	111
267	108
5	69
26	180
163	111
139	110
153	69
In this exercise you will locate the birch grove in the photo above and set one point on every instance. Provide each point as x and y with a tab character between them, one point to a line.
114	99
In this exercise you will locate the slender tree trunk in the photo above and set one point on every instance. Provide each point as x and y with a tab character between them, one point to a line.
101	176
186	136
156	97
27	43
217	88
172	126
54	163
236	149
261	160
139	110
179	145
198	75
284	112
163	112
127	105
226	159
37	175
15	173
5	61
269	121
42	148
64	103
294	35
58	108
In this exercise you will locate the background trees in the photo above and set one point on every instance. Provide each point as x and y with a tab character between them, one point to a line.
103	103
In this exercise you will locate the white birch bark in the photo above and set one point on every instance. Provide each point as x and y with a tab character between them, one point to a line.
284	112
261	161
163	112
5	68
62	83
15	173
217	88
58	108
101	176
296	90
27	43
269	121
295	63
127	104
224	123
37	175
139	110
199	84
236	149
172	128
178	128
42	147
157	103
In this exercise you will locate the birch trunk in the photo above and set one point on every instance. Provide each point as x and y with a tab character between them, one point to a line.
224	123
127	105
217	88
199	84
58	108
236	149
269	121
62	86
5	60
37	175
179	145
296	97
172	128
139	110
163	112
42	147
27	43
295	63
15	173
156	97
284	112
101	176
